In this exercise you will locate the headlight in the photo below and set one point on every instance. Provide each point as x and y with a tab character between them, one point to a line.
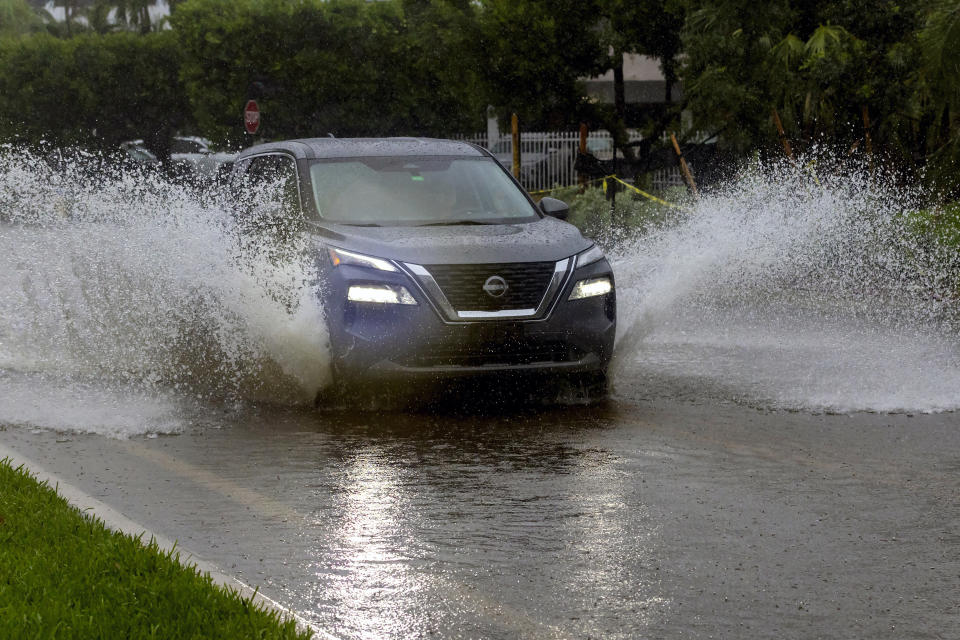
380	294
589	256
342	256
591	287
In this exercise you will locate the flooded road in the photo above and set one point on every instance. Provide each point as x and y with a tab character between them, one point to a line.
780	457
632	519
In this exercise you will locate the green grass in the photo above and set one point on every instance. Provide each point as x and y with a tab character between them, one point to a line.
939	225
64	575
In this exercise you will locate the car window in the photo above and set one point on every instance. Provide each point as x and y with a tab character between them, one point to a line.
416	191
274	179
269	194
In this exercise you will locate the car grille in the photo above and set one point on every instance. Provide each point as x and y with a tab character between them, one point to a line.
462	284
507	353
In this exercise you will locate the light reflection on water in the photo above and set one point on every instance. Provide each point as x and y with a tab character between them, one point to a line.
467	528
369	570
612	546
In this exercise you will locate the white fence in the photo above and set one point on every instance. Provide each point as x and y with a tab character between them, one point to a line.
547	158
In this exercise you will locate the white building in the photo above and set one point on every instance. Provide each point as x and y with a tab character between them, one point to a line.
643	82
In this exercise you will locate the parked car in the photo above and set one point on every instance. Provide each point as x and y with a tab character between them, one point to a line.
136	152
543	161
192	157
433	261
196	157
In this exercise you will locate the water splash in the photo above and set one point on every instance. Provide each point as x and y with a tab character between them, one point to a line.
126	302
793	290
117	276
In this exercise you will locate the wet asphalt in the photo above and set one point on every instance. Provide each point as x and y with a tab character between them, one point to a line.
635	518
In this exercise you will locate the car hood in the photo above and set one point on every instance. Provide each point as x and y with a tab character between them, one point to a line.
547	239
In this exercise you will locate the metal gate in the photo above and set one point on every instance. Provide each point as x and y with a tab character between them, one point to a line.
547	158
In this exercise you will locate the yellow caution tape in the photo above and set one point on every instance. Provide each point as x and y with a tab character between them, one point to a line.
543	191
604	180
643	193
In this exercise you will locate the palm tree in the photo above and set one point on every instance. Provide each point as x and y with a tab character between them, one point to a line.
72	9
17	17
134	13
99	18
939	40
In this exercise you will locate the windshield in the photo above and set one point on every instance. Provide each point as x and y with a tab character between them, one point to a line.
417	190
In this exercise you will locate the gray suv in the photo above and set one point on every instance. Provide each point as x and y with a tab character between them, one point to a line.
434	262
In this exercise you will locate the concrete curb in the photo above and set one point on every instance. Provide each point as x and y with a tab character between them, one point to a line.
115	520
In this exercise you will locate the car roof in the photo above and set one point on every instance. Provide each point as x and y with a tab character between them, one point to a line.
318	148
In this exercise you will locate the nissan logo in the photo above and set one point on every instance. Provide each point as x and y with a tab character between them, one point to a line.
495	286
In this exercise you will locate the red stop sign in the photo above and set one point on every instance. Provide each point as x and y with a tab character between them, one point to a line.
251	117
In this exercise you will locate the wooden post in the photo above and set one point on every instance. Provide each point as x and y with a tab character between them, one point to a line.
584	132
783	136
683	166
613	185
515	132
868	141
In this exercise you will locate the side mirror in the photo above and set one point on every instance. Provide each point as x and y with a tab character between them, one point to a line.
556	208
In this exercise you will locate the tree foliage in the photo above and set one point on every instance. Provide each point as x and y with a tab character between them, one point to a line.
531	55
90	90
17	18
847	73
939	85
835	72
345	67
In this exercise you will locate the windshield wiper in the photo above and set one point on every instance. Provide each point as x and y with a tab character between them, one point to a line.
448	223
360	224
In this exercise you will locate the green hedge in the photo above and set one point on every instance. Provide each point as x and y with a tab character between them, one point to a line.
91	90
346	67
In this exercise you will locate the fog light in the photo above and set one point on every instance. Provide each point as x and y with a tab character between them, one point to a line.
591	287
379	294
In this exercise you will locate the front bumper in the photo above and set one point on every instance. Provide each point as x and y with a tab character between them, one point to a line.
405	342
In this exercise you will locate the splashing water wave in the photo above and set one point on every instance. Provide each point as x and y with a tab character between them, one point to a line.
789	290
118	278
128	305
